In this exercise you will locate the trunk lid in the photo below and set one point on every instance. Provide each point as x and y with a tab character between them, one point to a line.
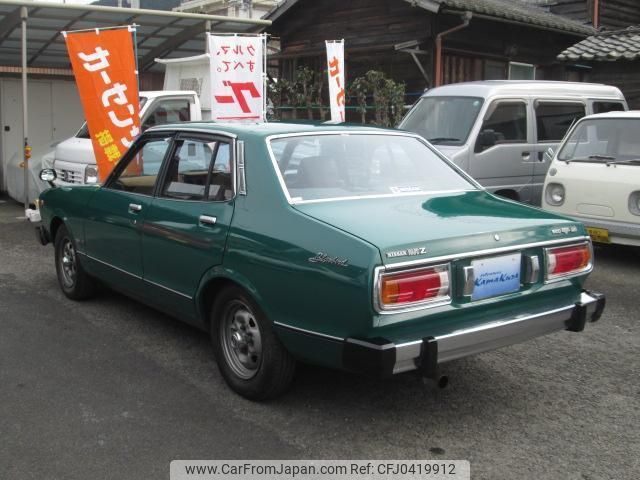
426	226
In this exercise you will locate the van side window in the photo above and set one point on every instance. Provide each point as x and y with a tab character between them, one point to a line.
508	122
603	107
553	119
169	110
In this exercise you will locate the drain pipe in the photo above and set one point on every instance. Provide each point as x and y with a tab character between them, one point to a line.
466	18
596	14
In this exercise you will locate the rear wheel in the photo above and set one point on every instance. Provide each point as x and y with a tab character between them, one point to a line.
250	357
74	282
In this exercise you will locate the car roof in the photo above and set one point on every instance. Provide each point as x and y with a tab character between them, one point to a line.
616	114
266	129
489	88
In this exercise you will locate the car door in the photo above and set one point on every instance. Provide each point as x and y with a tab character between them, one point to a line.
504	164
117	210
185	229
553	119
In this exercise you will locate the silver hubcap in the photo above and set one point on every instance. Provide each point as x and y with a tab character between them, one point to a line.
68	263
241	340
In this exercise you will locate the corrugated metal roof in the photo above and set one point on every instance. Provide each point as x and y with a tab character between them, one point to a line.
605	47
159	33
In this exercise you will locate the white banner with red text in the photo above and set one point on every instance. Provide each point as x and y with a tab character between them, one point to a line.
335	70
237	77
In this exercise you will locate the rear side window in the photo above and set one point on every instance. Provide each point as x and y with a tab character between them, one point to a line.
553	119
603	107
508	120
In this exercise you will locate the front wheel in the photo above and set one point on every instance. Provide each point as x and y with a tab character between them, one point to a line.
74	282
250	357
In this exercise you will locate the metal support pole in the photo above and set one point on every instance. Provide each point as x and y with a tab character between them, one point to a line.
24	14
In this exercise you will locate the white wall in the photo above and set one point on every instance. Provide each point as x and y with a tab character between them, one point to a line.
54	109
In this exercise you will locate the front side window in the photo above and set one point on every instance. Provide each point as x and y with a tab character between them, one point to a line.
553	119
507	121
443	120
610	140
199	170
139	172
325	167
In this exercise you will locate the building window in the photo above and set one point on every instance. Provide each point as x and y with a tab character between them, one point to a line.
521	71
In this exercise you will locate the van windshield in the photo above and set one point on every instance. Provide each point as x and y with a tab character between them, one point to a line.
443	120
606	140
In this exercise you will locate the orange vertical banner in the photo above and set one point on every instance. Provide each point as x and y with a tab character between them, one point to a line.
104	67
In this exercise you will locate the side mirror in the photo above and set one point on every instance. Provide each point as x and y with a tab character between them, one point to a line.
48	175
486	138
549	154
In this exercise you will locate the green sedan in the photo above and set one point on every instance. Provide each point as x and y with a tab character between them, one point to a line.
351	247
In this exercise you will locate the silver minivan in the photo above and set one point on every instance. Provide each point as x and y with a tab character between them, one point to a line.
499	130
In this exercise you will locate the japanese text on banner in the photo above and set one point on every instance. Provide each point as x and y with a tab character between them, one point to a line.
237	84
335	70
104	67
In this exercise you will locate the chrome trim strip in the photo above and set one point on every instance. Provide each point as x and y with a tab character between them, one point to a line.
168	289
439	154
174	129
489	251
135	276
109	265
242	180
385	195
309	332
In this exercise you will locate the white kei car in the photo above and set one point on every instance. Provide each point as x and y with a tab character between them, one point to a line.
595	177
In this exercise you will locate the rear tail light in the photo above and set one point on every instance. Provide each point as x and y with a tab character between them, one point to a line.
414	287
568	260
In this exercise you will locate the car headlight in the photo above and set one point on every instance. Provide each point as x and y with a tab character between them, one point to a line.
634	203
554	194
91	174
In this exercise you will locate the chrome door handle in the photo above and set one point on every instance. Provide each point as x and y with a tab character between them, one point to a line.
207	220
134	207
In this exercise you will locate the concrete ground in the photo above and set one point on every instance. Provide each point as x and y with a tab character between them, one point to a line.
111	389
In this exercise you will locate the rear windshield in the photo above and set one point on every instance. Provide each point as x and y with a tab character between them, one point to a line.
611	140
443	120
327	167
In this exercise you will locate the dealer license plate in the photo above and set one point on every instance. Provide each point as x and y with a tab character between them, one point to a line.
600	235
496	275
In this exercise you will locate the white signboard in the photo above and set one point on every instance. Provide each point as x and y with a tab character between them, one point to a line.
237	81
335	70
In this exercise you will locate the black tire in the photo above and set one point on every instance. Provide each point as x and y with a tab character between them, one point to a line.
74	282
255	373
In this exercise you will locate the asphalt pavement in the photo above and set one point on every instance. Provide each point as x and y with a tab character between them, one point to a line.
111	389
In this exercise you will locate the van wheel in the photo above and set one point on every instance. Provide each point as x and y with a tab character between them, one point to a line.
250	357
74	282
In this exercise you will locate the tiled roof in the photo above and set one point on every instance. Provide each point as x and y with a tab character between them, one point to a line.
606	47
517	11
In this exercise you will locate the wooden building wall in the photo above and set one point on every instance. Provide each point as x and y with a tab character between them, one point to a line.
614	14
624	75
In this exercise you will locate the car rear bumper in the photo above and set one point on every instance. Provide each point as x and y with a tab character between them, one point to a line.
624	229
382	357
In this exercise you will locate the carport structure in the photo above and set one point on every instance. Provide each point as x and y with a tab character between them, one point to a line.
30	39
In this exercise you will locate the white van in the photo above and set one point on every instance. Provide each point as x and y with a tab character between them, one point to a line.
595	177
499	130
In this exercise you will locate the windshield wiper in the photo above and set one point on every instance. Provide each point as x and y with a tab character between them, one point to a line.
443	139
607	158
